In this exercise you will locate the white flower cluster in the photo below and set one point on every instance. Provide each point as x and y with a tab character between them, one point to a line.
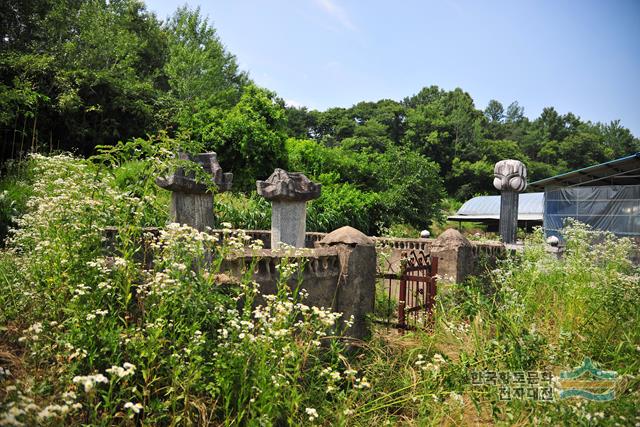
432	366
312	413
97	313
21	410
32	332
135	407
122	371
89	381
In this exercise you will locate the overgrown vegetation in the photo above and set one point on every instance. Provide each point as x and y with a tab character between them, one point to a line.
102	340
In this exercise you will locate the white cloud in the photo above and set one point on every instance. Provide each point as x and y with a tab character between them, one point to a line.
293	103
337	12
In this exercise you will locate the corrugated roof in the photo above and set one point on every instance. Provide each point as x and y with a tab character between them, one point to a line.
530	208
622	171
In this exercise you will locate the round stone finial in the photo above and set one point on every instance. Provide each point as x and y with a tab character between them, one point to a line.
348	236
451	238
186	183
288	187
510	175
424	234
553	241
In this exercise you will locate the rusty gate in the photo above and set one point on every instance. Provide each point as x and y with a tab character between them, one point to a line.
406	299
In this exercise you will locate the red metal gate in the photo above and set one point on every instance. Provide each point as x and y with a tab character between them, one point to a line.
415	289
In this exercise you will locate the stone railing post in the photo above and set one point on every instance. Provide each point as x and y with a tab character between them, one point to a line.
356	288
288	193
510	178
455	256
191	201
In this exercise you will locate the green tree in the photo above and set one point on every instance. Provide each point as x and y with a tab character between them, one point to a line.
199	68
494	112
249	138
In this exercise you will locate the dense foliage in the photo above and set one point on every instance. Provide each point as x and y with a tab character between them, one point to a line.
78	74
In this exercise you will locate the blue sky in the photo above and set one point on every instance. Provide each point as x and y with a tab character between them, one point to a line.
578	56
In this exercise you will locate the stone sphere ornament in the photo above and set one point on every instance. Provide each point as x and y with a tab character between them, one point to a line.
424	234
510	175
553	241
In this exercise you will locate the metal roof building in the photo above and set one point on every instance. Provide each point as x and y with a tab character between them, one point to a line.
622	171
486	209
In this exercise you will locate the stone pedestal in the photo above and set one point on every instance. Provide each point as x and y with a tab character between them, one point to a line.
289	193
510	178
191	199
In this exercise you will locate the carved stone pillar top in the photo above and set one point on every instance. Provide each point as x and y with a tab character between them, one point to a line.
510	175
283	186
182	182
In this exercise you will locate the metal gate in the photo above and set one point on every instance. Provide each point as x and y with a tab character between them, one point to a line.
410	293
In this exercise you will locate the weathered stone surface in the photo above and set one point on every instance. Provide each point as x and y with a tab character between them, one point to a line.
348	236
508	225
195	210
191	201
451	238
288	192
510	175
288	186
288	223
341	277
455	256
357	286
182	182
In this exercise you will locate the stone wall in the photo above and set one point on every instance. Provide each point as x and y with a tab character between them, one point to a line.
458	257
340	277
265	236
337	275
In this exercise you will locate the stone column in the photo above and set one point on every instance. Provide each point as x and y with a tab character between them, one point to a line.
510	178
289	193
356	288
191	201
455	256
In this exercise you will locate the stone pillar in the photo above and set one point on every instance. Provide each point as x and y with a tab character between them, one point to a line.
288	193
510	178
455	255
355	295
191	201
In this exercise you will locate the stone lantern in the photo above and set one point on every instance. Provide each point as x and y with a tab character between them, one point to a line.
289	193
191	201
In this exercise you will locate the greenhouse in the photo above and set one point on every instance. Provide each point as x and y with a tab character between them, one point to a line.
605	196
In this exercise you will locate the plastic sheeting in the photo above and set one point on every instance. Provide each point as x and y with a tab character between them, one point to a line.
607	208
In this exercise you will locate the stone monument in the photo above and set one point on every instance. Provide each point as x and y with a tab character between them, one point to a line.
510	178
192	201
288	193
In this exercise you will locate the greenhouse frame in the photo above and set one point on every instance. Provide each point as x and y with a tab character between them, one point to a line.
605	196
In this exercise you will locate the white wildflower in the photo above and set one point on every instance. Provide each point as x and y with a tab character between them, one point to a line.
313	414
